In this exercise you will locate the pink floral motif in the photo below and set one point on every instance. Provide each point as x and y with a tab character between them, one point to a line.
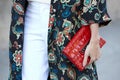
51	21
20	21
51	9
62	78
15	45
52	57
66	32
18	8
60	39
71	73
73	9
17	57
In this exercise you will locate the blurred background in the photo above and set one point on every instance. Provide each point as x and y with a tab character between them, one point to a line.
108	65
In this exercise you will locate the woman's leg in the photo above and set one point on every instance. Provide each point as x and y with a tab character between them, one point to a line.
35	59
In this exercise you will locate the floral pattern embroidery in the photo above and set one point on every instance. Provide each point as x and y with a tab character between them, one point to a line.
69	16
18	8
60	39
17	58
66	17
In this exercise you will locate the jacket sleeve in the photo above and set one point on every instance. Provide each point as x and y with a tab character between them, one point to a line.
94	11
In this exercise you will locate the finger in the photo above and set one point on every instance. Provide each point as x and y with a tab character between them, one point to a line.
99	55
92	60
85	58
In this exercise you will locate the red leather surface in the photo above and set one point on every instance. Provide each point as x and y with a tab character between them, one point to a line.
74	51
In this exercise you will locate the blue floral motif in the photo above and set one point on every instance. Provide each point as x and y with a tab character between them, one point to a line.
87	2
13	67
97	16
66	13
66	18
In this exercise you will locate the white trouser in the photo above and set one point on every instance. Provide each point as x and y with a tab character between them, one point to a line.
35	57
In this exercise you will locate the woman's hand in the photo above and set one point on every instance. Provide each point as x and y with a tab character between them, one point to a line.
93	48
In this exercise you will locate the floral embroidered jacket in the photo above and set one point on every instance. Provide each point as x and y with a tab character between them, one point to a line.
66	17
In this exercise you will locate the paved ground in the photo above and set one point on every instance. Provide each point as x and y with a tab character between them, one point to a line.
108	65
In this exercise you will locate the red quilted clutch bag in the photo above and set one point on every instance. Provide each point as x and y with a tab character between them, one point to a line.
74	49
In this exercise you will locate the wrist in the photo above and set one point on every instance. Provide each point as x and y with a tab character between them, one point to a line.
95	39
